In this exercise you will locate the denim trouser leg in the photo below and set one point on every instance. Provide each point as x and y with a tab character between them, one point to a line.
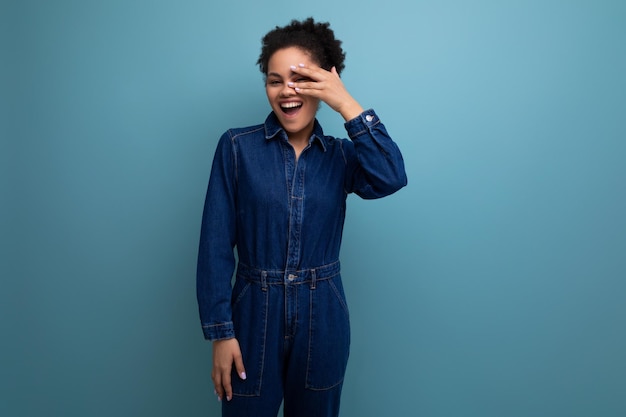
295	337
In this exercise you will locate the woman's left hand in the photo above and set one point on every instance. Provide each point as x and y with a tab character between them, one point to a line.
328	87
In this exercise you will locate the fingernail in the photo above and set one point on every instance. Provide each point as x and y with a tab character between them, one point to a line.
243	375
301	65
228	398
290	84
293	67
215	392
219	398
297	89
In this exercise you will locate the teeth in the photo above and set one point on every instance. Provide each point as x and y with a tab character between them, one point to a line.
290	105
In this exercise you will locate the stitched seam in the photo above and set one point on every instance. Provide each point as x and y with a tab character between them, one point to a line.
339	297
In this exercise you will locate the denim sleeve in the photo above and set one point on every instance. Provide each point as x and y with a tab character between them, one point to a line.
375	167
216	261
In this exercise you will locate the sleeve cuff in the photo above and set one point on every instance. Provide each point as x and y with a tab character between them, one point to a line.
362	123
218	331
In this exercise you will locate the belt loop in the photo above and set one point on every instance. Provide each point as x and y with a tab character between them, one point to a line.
313	278
264	280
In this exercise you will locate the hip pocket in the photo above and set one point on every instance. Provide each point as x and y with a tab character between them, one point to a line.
249	309
329	335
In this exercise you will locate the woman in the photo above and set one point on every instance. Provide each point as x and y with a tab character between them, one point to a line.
277	193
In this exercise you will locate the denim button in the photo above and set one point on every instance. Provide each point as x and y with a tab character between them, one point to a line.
369	117
291	277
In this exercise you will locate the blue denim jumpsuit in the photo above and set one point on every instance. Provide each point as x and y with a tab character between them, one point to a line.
285	218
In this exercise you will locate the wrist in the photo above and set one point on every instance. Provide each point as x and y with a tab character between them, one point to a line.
351	110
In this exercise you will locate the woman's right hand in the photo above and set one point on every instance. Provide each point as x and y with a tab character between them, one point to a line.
225	353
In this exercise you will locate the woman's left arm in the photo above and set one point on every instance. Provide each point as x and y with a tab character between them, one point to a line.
375	167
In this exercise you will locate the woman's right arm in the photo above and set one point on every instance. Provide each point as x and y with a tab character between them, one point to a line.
216	264
216	259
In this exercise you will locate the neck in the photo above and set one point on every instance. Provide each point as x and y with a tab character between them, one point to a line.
302	137
299	139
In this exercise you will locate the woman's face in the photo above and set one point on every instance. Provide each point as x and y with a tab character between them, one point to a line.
295	112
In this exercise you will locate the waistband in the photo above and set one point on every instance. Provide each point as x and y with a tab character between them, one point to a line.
277	276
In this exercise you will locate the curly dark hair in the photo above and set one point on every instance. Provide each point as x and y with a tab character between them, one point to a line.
316	38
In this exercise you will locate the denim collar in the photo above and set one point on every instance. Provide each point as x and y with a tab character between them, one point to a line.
273	128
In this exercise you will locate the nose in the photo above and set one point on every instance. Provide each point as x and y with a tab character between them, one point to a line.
287	91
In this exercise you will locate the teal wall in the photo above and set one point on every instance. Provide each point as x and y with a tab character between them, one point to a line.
494	285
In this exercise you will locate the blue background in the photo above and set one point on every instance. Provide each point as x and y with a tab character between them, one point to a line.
493	285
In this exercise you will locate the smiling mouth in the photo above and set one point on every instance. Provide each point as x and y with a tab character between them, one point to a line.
290	108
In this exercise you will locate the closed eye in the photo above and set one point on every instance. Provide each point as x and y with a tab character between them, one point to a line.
274	82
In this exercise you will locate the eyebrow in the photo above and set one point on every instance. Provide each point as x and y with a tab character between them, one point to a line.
274	74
